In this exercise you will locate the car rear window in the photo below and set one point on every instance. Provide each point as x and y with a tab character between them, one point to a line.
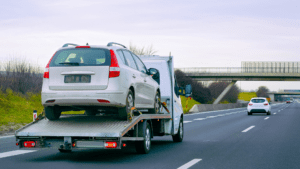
258	100
81	57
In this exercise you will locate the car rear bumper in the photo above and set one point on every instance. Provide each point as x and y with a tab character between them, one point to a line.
258	110
84	98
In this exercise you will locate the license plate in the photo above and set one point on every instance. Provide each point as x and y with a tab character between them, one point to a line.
78	79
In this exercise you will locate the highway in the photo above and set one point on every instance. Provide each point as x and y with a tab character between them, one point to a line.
227	139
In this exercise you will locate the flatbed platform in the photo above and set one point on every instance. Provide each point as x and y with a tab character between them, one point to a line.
83	126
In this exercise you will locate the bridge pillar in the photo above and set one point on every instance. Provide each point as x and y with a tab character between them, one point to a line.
220	97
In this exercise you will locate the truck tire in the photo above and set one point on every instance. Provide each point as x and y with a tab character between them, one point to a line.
179	136
52	113
157	105
144	130
129	104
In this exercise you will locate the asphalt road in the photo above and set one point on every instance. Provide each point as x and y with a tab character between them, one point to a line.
221	139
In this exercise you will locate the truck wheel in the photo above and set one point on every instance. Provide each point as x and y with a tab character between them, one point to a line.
157	105
179	136
52	113
144	130
64	151
129	104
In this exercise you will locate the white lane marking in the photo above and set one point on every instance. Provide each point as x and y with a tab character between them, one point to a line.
200	119
7	136
267	118
187	121
274	113
211	116
212	111
189	164
278	110
16	152
247	129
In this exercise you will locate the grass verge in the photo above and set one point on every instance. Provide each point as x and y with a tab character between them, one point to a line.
187	104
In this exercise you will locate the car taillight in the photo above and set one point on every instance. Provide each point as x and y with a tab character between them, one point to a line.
29	144
111	144
114	69
250	104
266	104
46	73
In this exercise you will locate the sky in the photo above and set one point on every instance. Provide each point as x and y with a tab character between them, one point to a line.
197	33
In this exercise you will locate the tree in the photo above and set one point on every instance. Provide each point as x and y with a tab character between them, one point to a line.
262	92
142	51
216	88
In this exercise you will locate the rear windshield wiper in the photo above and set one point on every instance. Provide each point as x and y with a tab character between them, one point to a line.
70	63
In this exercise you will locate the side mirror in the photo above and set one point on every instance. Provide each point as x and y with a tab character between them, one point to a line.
188	90
153	72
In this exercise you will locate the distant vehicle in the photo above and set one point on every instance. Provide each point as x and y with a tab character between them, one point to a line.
290	101
96	79
259	105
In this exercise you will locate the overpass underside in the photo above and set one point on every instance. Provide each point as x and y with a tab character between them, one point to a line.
234	77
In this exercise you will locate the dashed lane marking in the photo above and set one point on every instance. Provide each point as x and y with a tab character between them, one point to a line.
247	129
189	164
200	119
16	152
7	136
267	118
187	121
274	113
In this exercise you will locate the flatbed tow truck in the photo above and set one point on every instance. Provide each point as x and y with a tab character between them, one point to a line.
108	132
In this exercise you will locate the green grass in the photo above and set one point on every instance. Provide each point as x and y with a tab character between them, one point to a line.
246	96
189	103
16	110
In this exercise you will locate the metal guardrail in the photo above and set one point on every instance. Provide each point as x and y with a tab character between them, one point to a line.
239	70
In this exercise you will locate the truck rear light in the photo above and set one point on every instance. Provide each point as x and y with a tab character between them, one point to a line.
102	101
17	144
111	144
46	73
266	104
82	47
250	104
29	144
73	144
114	69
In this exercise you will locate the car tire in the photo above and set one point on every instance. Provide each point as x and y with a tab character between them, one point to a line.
52	113
157	104
144	130
179	136
268	113
249	113
123	112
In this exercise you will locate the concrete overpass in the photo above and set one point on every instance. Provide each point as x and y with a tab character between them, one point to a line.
235	74
281	96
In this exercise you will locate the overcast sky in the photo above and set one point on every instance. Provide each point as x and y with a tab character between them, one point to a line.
198	33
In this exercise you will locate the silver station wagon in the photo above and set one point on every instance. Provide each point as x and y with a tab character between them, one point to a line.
98	79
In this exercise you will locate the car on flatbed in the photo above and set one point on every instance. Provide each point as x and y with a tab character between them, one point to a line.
98	79
104	131
259	105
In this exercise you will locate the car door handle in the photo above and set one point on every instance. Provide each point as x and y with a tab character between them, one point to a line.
133	76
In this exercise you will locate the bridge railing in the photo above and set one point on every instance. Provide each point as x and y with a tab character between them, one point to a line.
240	70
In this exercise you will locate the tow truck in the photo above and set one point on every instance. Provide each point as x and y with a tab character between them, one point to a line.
72	132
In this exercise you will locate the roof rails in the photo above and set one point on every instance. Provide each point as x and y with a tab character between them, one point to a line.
67	44
114	43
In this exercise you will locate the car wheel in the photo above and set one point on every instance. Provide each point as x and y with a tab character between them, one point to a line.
144	130
52	113
268	113
129	104
90	112
249	113
179	136
157	105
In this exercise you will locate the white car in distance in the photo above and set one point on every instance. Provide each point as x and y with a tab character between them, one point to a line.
259	105
109	79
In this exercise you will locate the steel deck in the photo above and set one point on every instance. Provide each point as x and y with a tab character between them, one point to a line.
83	126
